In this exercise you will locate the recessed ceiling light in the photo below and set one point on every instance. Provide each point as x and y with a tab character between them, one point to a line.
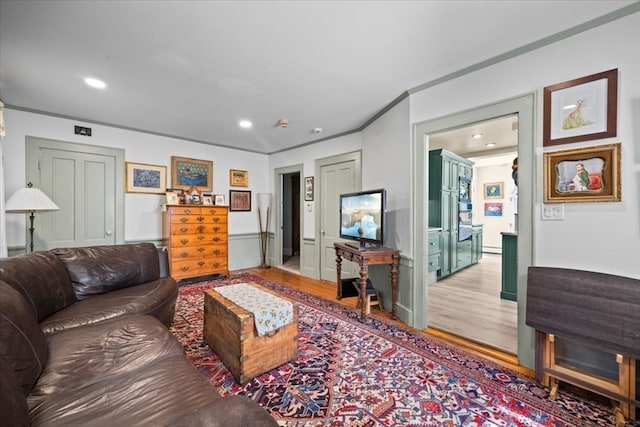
245	124
476	136
491	144
98	84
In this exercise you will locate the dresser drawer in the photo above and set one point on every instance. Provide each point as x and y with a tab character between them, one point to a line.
187	252
215	228
187	228
184	210
183	240
434	262
434	242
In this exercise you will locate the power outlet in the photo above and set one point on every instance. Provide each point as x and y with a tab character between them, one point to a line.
553	212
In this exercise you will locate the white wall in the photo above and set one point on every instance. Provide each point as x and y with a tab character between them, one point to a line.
386	163
143	220
614	226
486	171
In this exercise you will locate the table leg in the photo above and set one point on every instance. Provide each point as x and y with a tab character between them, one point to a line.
339	274
394	286
363	291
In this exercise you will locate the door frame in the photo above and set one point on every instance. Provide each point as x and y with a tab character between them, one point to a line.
524	107
35	143
279	174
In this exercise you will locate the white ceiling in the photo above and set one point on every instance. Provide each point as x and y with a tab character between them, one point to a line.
193	69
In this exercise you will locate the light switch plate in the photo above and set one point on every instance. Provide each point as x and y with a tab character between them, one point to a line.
553	212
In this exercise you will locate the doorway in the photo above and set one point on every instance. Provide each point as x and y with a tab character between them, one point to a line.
291	222
524	107
469	302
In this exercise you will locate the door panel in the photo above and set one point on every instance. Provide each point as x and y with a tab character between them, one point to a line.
335	179
86	183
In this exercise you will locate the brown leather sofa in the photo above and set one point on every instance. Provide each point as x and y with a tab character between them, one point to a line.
84	341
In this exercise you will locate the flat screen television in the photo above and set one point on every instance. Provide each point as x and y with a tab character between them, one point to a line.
362	217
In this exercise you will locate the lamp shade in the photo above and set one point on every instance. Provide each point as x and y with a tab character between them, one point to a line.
264	205
29	200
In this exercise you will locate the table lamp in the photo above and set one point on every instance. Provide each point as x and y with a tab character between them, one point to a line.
30	200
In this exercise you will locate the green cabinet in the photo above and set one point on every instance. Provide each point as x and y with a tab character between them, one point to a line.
509	266
434	250
445	171
476	244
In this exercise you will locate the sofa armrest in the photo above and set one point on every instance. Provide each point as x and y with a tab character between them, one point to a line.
163	258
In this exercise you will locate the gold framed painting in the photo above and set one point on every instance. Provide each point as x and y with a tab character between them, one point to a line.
582	109
186	173
590	174
145	178
494	190
238	178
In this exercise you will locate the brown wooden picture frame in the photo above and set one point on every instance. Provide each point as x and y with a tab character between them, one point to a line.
590	174
186	172
238	178
582	109
239	201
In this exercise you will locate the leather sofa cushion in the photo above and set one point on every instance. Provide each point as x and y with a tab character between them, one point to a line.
157	298
41	279
126	372
22	343
99	269
13	404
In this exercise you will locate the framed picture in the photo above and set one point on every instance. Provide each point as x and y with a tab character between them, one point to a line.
172	198
493	209
582	109
144	178
207	199
219	200
185	173
238	178
590	174
194	196
493	190
308	188
239	201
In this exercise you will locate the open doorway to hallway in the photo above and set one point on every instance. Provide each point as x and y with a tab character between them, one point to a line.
291	222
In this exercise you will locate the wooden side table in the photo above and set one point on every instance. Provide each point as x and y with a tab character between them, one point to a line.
370	256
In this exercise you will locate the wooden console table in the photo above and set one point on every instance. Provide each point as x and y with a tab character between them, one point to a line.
369	256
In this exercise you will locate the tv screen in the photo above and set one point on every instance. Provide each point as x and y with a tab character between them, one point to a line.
362	216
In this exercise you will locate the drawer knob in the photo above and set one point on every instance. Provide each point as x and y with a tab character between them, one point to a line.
216	264
185	269
200	249
184	219
216	251
184	229
216	229
200	263
216	219
201	237
200	218
187	211
184	254
216	239
184	241
200	228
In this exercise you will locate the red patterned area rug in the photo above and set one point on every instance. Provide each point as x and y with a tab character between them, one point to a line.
350	373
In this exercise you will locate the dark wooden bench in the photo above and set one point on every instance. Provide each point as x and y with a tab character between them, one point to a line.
596	310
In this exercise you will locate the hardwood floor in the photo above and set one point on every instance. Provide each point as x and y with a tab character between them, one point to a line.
328	290
468	304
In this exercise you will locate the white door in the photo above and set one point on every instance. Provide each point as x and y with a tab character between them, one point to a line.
337	176
86	183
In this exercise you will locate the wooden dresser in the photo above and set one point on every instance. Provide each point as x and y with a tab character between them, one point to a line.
196	238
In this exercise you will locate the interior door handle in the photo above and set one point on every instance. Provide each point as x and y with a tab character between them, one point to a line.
108	232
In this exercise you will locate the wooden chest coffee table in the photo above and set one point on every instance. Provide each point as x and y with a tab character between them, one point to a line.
229	330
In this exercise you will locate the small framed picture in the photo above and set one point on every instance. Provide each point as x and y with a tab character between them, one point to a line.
207	199
583	109
590	174
194	196
493	190
239	201
238	178
172	198
144	178
219	200
308	189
